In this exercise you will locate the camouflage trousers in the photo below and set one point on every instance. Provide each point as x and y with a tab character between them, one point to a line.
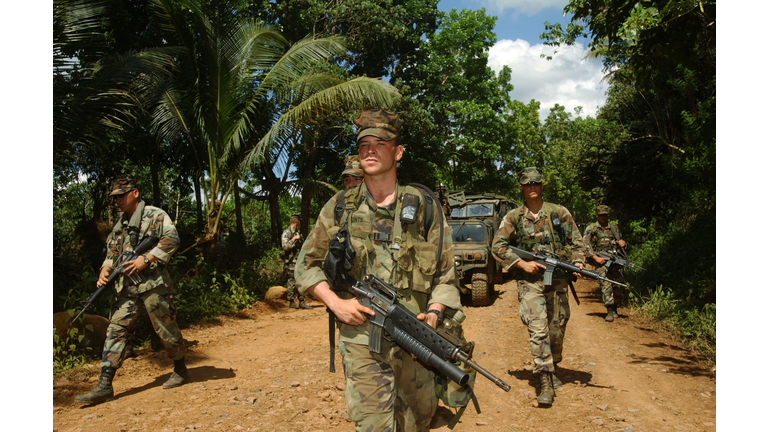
611	293
546	313
290	282
158	302
390	391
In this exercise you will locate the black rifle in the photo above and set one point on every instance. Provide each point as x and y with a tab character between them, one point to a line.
617	259
551	263
145	246
434	348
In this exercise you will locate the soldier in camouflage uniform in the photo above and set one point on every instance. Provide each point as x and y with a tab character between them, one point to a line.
603	236
155	294
353	172
388	391
544	309
291	244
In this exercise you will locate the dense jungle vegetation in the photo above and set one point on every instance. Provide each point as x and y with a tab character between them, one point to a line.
206	102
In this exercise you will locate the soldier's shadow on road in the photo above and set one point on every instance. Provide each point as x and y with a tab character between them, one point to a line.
196	374
567	376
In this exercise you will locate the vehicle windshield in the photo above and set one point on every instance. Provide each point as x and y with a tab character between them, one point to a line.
468	233
473	210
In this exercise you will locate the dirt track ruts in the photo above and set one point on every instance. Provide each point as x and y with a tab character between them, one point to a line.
266	369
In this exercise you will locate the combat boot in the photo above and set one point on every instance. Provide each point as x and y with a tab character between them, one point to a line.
615	312
293	305
103	390
556	383
303	305
547	393
609	314
179	375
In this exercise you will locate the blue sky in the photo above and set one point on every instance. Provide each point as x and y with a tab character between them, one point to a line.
567	80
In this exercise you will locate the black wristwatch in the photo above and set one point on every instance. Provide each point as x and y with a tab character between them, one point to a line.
146	260
437	313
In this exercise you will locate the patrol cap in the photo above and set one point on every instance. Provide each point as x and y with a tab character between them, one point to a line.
379	123
602	209
121	186
353	167
528	175
296	216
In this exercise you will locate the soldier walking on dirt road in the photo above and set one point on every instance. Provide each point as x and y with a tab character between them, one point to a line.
539	226
291	245
390	390
155	293
602	236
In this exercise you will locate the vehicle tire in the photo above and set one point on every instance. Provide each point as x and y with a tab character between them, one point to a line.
481	294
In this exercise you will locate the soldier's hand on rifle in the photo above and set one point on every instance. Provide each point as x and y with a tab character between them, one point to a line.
348	311
531	267
431	318
137	265
622	243
599	260
103	275
581	266
296	237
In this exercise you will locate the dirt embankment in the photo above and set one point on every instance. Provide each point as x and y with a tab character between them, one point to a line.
266	369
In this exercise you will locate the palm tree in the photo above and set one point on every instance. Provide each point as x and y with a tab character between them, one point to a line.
239	78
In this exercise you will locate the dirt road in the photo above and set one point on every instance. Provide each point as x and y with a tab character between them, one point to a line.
266	369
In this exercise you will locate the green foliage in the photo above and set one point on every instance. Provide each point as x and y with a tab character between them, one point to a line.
695	324
66	355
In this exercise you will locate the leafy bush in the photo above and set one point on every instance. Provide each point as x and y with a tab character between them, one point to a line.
66	355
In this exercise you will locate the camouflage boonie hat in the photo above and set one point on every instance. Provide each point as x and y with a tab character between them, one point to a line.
529	174
379	123
353	168
602	209
121	186
296	216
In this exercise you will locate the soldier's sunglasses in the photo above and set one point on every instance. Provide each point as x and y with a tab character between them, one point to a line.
532	184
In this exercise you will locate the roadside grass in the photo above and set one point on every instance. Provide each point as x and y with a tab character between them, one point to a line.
694	324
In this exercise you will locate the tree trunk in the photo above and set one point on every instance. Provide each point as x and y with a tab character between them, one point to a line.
238	214
310	147
198	203
270	185
157	200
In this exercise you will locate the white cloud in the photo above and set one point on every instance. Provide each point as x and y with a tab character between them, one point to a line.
523	7
567	79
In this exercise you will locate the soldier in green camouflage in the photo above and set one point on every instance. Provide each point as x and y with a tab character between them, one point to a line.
353	172
388	391
603	236
539	226
291	244
155	293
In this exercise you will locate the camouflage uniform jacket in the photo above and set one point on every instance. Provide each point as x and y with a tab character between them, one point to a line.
519	228
599	239
410	268
154	220
289	247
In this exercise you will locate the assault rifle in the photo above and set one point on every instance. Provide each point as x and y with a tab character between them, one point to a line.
435	348
618	259
551	263
145	246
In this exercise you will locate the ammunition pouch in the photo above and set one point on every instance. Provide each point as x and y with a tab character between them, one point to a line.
339	260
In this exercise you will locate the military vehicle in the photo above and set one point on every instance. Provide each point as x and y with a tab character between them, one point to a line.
474	220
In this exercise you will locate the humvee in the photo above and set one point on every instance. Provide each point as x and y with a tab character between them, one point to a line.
474	220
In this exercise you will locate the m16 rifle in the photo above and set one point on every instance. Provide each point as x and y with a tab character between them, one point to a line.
127	256
433	347
551	263
619	258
